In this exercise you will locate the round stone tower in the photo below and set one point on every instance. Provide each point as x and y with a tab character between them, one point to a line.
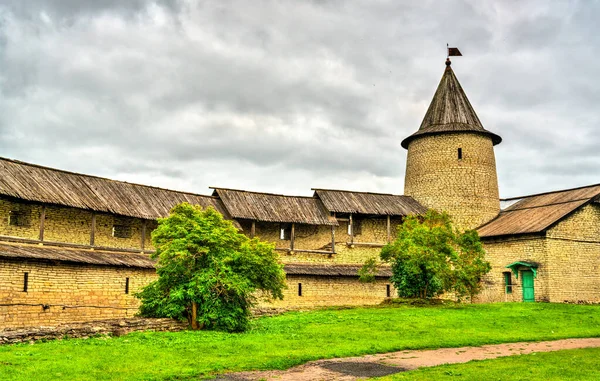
450	165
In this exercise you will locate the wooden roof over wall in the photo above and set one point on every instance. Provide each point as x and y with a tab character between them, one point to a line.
52	186
331	270
78	256
536	213
274	207
340	201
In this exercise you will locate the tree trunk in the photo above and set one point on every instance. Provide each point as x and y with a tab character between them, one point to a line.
195	316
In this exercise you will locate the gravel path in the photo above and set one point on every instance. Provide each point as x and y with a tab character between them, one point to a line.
355	368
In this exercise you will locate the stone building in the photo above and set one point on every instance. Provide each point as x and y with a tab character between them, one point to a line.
75	247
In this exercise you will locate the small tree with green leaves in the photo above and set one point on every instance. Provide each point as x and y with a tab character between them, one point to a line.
429	257
208	273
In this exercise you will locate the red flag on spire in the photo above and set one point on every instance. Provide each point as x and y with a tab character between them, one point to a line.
454	52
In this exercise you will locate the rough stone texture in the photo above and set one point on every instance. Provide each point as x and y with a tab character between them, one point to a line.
71	293
466	188
67	225
31	231
311	237
573	263
112	327
503	252
72	225
104	232
332	291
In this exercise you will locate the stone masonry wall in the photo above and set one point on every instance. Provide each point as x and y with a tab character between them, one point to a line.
72	225
31	231
332	291
72	293
311	237
501	253
574	257
466	188
104	232
68	225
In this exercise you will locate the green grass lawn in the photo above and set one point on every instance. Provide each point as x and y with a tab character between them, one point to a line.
294	338
575	364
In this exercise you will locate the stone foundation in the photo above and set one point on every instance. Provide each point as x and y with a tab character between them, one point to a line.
114	327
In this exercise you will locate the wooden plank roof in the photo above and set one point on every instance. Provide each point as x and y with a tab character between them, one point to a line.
47	185
340	201
450	111
80	256
536	213
274	207
331	270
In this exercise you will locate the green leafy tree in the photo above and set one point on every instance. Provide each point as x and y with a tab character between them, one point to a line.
208	273
429	257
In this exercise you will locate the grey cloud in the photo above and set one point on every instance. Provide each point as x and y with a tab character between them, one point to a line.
281	96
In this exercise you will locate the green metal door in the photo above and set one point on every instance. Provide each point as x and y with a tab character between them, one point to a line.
528	292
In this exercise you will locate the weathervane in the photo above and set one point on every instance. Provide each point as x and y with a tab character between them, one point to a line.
451	52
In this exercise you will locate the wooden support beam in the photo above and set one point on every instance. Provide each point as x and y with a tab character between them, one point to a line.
143	238
351	225
389	229
292	236
253	229
93	229
366	244
42	219
72	245
333	239
313	251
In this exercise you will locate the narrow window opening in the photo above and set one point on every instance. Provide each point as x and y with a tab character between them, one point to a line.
460	154
285	231
122	227
388	290
507	282
121	231
25	282
356	227
299	289
18	218
127	285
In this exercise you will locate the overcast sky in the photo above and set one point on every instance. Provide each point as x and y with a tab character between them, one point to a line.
282	96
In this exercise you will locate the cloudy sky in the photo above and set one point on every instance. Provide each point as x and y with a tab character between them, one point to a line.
282	96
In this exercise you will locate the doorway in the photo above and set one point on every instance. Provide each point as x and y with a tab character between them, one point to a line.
528	290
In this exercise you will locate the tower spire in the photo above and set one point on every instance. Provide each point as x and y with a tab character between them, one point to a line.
450	111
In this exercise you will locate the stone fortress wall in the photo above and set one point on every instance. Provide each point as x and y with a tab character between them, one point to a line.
64	293
73	226
58	292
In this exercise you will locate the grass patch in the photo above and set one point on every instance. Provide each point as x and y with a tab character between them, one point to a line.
290	339
573	364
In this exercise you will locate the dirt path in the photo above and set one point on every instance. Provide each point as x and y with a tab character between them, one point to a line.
354	368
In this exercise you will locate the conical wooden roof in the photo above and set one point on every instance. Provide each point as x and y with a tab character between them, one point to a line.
450	111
